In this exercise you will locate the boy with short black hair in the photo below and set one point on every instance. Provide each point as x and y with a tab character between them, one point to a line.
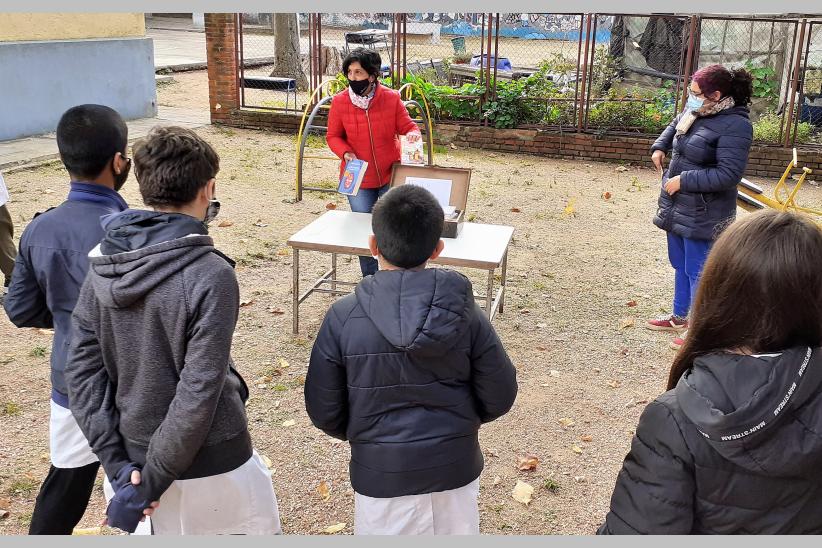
151	378
406	369
48	271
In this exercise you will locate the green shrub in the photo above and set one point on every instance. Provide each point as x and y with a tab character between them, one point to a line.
766	129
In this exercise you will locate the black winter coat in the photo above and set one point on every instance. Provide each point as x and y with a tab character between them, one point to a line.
710	160
406	369
735	448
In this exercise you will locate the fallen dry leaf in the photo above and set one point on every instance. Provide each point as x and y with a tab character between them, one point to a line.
289	423
48	191
331	205
260	223
324	490
497	480
553	373
522	492
282	363
621	169
606	195
541	348
569	208
627	322
527	463
283	252
586	438
516	210
266	460
334	529
524	311
225	224
276	311
631	303
247	302
566	422
46	331
579	479
576	449
453	146
614	384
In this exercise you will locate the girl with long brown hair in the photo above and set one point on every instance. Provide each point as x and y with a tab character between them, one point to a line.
735	444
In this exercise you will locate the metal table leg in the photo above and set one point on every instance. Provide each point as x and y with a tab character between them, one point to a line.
489	294
504	281
295	292
333	271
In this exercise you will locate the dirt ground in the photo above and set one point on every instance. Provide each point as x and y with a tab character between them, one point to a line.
584	273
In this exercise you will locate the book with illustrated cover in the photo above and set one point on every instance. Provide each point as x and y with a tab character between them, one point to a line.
411	152
352	177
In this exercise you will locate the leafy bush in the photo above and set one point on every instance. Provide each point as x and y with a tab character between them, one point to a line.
766	129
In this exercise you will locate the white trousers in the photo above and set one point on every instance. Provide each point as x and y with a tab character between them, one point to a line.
453	512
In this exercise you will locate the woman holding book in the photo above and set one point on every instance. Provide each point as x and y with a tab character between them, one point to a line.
364	124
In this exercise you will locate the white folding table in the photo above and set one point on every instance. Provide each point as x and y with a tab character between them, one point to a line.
478	246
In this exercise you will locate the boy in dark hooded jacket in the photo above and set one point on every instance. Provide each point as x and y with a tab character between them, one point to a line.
407	369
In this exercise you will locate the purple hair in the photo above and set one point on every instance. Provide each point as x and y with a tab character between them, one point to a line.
737	83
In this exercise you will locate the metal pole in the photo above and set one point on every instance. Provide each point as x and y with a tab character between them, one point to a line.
583	106
579	56
295	289
484	96
795	81
496	53
240	56
591	70
689	59
801	82
787	90
318	18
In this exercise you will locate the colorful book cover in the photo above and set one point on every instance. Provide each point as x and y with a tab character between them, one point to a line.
352	177
412	154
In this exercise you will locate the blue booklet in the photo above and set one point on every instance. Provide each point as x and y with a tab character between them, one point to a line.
352	177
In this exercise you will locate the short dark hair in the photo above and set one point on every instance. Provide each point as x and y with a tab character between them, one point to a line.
172	164
407	222
368	59
88	137
760	290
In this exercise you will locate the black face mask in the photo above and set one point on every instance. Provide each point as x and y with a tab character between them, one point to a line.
120	180
359	86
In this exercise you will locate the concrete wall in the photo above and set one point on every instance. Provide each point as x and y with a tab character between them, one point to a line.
67	26
41	79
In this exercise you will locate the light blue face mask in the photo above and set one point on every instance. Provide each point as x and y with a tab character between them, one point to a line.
693	102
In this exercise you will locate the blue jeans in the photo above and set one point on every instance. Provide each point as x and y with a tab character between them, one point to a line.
364	202
687	256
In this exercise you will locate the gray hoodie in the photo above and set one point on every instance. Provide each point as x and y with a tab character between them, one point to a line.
149	373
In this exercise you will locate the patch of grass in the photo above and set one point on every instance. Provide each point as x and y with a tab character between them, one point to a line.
10	409
315	141
38	352
24	486
279	388
228	132
540	286
551	485
440	149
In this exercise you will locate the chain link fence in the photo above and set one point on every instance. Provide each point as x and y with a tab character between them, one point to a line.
604	72
808	114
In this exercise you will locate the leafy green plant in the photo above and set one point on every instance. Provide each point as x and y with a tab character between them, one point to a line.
766	129
764	83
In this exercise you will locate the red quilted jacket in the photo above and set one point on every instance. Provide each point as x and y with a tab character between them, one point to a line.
369	134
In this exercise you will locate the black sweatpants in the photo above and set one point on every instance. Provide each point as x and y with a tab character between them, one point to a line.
63	499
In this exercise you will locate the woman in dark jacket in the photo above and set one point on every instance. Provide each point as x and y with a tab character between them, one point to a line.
363	123
735	445
710	141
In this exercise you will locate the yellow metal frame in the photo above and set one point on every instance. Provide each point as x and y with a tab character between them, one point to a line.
784	198
332	87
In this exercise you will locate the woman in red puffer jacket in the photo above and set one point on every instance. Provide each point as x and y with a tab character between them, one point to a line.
364	123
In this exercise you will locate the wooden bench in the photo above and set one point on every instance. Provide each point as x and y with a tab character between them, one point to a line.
273	83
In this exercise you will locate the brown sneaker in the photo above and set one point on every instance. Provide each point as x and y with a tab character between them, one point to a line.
670	322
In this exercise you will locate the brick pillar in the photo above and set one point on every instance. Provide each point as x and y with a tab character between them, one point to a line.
221	53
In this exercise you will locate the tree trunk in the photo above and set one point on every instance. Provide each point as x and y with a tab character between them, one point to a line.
287	49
